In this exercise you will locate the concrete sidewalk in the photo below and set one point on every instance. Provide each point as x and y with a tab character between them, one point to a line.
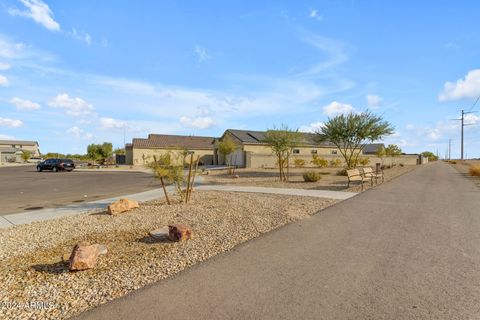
405	250
340	195
53	213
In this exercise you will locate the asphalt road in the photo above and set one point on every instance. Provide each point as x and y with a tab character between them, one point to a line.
409	249
22	188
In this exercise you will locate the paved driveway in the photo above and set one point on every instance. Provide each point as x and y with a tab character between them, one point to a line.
23	189
406	250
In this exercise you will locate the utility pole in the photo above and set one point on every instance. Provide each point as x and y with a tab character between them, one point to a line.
449	149
462	119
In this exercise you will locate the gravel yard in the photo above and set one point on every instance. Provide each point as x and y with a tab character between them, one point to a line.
36	283
269	178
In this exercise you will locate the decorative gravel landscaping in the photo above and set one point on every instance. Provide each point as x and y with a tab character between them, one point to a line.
269	178
36	283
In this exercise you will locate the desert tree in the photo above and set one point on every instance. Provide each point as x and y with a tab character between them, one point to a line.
26	155
351	132
430	155
392	150
226	147
282	141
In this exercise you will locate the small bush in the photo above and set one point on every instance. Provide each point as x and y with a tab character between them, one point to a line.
335	163
363	161
319	162
452	162
342	172
299	163
475	170
401	164
311	176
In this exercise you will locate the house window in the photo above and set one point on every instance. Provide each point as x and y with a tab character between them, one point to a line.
333	152
296	151
314	151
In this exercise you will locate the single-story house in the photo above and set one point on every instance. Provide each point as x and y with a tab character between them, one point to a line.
253	152
373	148
141	151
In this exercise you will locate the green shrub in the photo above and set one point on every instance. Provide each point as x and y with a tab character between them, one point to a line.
335	163
311	176
299	163
475	170
319	162
364	161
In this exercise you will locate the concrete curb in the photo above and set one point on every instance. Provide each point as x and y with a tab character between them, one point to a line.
13	219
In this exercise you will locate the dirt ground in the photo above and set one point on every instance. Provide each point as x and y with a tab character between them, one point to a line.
270	178
463	166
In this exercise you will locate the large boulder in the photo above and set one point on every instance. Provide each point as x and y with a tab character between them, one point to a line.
179	232
84	256
122	205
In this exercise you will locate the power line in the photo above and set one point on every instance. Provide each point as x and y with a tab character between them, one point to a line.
473	105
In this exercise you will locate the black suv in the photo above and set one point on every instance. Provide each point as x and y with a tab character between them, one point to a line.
56	165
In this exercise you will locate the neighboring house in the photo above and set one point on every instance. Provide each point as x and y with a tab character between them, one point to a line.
373	148
11	150
253	152
141	151
10	155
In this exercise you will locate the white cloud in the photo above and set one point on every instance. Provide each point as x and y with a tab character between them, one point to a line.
374	101
468	87
73	106
6	122
6	137
3	81
471	118
9	49
335	51
314	15
336	108
79	133
312	127
39	12
81	36
198	122
23	104
202	54
4	66
110	123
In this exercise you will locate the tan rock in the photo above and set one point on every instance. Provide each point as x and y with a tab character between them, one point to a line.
160	234
84	256
179	232
236	176
122	205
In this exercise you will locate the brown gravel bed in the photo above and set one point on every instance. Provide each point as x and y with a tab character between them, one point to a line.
37	285
269	178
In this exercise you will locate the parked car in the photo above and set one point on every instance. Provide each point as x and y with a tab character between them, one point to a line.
56	165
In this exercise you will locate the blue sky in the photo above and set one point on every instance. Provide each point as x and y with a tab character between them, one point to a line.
78	72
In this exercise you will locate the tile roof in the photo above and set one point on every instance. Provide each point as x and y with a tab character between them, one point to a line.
257	137
173	141
372	148
19	142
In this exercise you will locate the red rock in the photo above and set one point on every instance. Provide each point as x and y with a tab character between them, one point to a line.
179	232
122	205
84	256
